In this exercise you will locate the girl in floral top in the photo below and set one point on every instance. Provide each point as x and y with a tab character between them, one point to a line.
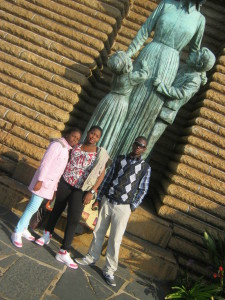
80	181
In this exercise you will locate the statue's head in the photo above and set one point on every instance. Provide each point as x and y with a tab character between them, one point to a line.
203	60
120	63
198	3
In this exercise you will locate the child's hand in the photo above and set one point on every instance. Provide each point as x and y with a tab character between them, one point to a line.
144	63
37	186
157	81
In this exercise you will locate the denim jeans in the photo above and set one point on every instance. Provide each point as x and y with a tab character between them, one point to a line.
32	207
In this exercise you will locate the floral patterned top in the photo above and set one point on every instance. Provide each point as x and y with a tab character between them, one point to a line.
79	166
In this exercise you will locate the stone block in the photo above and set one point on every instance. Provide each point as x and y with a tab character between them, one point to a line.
27	288
66	289
24	172
12	192
149	227
146	258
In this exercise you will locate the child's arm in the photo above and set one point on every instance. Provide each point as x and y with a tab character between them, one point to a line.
50	155
185	90
140	76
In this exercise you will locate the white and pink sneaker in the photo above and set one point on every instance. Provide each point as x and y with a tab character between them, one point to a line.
64	257
27	235
16	239
45	239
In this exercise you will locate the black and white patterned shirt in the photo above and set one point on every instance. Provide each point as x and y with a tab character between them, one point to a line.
126	182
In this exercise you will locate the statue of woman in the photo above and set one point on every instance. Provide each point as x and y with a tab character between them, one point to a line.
111	112
176	24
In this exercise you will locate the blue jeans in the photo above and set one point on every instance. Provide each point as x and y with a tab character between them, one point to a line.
31	208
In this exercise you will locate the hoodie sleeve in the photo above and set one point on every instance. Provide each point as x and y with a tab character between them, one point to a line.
52	152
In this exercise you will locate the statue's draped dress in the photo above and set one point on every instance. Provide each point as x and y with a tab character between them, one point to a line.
176	25
110	114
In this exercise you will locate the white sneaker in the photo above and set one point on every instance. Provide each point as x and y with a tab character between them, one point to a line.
45	239
109	279
27	235
64	257
85	261
16	239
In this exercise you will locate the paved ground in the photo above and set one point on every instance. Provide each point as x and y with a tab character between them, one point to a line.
33	273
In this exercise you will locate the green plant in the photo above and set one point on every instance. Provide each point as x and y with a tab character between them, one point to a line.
215	249
216	255
199	291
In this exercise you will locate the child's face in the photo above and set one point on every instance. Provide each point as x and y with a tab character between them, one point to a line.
73	138
200	56
93	136
196	58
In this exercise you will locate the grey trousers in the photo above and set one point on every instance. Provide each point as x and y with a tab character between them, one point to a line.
117	216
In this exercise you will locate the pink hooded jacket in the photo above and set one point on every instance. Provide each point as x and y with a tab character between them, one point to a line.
51	169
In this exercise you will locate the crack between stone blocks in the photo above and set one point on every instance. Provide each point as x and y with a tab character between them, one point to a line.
53	283
121	290
36	260
2	270
3	298
88	280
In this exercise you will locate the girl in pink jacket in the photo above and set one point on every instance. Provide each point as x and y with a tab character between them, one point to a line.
45	181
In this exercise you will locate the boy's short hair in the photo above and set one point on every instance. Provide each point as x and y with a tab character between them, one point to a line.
142	137
208	60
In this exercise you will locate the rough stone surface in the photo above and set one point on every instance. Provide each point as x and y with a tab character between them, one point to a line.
30	272
123	296
45	278
142	290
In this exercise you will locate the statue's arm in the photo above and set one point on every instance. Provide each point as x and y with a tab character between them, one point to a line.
139	76
186	90
195	43
145	30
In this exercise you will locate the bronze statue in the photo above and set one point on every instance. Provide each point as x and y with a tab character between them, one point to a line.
111	112
176	24
186	84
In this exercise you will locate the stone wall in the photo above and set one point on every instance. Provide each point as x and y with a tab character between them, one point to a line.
52	54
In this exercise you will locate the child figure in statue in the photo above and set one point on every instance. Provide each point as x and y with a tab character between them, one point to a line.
189	78
111	112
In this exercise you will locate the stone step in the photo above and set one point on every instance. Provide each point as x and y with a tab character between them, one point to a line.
23	133
26	46
184	219
7	165
26	123
22	146
12	192
147	258
208	125
57	115
184	194
201	155
145	224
